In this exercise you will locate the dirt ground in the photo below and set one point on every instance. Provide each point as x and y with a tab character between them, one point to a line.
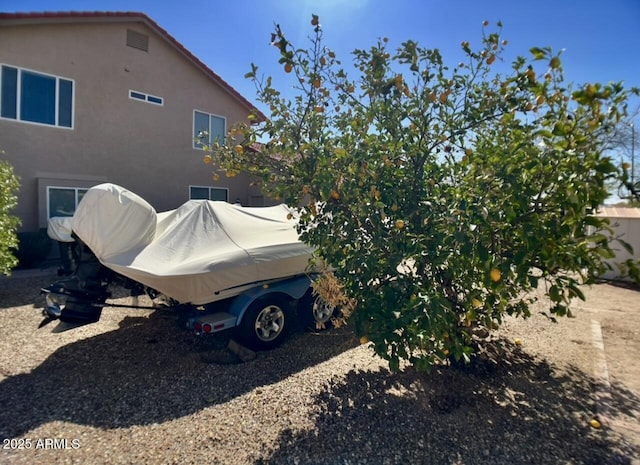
615	310
604	334
135	381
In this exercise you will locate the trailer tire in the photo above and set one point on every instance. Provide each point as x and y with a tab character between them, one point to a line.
264	324
314	313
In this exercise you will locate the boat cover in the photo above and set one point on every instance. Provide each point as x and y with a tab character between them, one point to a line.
59	229
193	252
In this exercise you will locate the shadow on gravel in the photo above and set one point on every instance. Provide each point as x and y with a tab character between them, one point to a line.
148	371
17	291
621	284
517	411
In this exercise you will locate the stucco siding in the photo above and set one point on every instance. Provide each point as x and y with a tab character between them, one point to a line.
144	147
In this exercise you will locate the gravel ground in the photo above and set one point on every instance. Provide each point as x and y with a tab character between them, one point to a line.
134	388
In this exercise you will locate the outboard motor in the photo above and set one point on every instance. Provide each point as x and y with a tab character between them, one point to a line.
80	297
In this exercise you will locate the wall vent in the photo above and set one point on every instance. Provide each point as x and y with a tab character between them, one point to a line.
137	40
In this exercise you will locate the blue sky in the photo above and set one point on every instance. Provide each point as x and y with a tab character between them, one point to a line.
601	38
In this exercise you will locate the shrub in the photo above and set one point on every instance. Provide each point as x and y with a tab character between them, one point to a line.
9	185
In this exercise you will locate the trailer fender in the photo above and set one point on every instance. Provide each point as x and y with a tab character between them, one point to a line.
293	288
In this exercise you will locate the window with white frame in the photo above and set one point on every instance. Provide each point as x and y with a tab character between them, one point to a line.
207	129
135	95
36	97
63	201
208	193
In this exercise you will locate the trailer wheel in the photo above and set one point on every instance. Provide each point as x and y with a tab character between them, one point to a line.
264	324
315	314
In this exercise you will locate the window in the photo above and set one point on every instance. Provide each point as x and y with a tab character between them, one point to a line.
208	193
145	97
62	201
207	129
35	97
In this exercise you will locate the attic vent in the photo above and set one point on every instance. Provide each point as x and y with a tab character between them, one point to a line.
137	40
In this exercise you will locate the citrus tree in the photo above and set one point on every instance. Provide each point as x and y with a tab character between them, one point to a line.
440	195
8	223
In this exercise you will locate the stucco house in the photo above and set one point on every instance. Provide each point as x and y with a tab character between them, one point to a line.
92	97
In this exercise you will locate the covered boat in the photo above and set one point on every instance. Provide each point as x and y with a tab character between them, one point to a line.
198	253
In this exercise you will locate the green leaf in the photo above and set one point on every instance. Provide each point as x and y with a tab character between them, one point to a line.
560	310
628	247
575	291
554	293
252	73
606	253
598	238
538	53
